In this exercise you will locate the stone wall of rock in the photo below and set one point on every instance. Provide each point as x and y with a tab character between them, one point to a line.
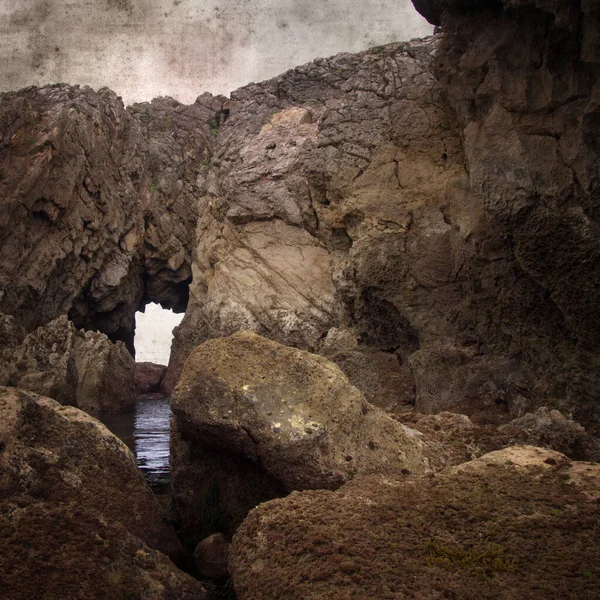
358	193
76	368
434	201
522	78
98	204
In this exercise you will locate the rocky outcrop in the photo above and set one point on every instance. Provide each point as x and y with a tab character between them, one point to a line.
436	199
99	204
345	195
522	79
53	454
550	429
517	523
293	416
148	377
77	368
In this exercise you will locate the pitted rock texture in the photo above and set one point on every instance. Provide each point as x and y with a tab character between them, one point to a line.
53	454
98	204
292	414
522	77
148	377
77	368
54	551
520	523
341	195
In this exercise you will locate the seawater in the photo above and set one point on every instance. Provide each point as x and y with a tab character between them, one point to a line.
147	432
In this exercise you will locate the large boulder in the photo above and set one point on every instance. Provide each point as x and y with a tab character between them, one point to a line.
290	415
520	523
54	551
77	368
54	454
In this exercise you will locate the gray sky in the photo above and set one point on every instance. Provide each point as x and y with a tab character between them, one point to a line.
181	48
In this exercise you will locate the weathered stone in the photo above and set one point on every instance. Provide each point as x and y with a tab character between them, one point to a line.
58	454
58	550
148	377
77	368
519	524
485	387
293	415
550	429
99	204
522	77
211	555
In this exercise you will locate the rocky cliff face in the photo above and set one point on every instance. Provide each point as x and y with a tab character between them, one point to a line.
431	204
98	206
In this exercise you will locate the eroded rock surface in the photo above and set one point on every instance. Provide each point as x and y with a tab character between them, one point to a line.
148	377
522	77
54	454
290	414
76	368
60	550
99	204
518	523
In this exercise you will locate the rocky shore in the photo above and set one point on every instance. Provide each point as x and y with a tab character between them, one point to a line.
387	380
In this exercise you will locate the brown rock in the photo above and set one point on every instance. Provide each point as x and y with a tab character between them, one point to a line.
518	524
211	555
550	429
77	368
59	454
148	377
58	550
291	414
99	204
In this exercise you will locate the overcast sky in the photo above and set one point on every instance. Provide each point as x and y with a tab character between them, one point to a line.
182	48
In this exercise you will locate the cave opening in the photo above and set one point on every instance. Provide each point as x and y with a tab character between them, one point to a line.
154	333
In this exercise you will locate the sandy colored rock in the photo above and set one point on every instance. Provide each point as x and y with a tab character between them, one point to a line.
255	418
148	377
77	368
59	454
57	550
293	412
499	531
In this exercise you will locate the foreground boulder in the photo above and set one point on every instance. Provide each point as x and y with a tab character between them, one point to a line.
55	551
74	367
290	416
52	454
517	523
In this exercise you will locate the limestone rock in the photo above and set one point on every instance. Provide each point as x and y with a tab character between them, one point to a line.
522	77
77	368
99	204
496	530
550	429
58	454
148	377
53	551
291	414
211	555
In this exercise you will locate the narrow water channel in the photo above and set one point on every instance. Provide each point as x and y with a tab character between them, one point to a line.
147	432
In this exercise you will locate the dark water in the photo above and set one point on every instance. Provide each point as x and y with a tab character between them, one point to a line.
146	431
